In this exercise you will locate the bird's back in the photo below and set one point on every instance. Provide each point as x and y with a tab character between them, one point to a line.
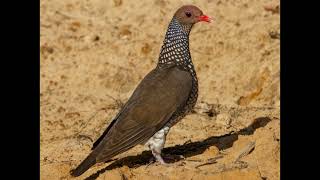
150	107
152	104
161	99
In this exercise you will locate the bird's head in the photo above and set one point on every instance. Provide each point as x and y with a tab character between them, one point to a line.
189	15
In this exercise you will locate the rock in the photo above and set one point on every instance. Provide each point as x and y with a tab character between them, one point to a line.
223	119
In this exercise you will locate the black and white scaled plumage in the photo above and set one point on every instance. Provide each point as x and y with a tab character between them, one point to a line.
161	99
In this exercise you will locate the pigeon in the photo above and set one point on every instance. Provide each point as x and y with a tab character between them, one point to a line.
163	97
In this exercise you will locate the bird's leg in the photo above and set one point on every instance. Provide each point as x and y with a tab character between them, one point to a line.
158	157
156	144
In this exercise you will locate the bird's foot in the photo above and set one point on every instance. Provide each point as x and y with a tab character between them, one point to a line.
159	158
172	158
165	160
152	160
157	161
168	158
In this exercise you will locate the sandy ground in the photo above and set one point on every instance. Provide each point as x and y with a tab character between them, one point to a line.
94	53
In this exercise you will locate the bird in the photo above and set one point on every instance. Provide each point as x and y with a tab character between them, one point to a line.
162	98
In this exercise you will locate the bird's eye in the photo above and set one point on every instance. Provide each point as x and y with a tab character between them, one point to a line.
188	14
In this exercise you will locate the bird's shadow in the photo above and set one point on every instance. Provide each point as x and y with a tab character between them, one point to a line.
186	150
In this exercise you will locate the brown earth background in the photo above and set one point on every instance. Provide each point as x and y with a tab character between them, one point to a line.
94	53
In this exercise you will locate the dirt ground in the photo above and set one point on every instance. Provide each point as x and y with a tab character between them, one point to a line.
94	53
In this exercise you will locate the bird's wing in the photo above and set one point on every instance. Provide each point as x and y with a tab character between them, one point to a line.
149	108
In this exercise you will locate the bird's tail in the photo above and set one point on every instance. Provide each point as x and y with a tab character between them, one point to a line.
85	165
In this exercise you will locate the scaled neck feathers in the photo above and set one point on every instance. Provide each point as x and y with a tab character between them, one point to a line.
175	48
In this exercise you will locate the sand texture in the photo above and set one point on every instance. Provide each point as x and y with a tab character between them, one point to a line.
94	53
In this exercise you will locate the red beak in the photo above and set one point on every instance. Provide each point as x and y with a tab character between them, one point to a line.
204	18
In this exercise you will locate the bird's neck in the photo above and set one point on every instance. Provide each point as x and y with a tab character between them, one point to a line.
175	48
